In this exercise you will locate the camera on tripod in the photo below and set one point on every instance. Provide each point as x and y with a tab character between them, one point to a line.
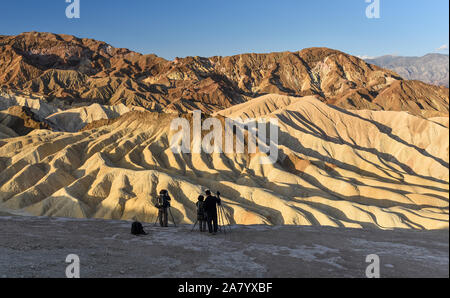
163	200
163	205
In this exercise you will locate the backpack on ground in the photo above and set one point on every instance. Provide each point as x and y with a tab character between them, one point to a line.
137	229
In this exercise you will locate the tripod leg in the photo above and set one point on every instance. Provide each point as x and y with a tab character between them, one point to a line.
194	225
221	218
170	211
227	220
219	221
157	217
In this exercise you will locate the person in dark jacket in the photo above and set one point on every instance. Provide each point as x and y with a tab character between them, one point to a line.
211	211
162	205
201	215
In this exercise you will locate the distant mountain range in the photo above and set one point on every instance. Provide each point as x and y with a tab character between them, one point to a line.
431	68
77	70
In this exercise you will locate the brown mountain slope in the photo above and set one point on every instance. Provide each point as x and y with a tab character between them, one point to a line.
414	96
67	67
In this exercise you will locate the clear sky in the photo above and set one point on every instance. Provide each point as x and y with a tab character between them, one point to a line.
211	27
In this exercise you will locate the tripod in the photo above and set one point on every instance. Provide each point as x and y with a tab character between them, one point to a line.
194	225
221	223
169	212
222	220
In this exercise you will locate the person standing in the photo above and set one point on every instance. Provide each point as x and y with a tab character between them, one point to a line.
201	216
163	204
210	206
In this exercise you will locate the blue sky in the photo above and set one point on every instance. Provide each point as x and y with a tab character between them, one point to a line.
209	27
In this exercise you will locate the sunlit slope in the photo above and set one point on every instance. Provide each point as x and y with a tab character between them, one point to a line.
336	167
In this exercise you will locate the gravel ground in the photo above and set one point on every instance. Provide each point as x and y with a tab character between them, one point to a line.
38	246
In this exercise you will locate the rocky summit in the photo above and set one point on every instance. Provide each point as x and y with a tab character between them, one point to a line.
89	71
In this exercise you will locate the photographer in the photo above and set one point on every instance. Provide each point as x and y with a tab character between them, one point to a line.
201	215
163	202
211	211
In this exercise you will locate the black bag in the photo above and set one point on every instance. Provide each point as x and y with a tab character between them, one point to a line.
137	229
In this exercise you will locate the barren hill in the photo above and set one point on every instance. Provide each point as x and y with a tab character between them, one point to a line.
22	120
336	167
85	132
23	113
74	69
